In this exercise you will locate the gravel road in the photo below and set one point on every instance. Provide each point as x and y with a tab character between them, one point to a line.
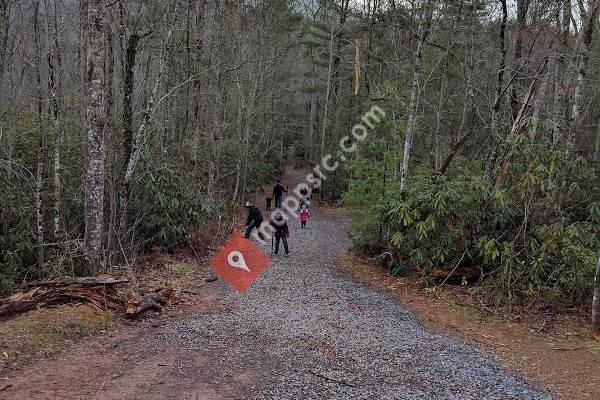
313	333
304	330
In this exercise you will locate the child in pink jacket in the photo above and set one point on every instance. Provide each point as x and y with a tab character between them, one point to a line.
304	215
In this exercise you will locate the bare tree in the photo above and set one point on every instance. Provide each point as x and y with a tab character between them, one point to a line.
39	176
423	32
496	107
583	46
4	26
95	153
327	93
54	93
522	6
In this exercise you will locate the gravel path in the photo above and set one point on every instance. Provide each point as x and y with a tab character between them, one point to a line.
305	330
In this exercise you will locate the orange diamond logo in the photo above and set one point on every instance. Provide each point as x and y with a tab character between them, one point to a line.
240	262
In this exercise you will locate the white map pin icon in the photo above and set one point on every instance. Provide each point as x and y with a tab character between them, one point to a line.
236	260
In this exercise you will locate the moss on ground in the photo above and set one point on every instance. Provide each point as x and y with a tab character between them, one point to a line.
46	331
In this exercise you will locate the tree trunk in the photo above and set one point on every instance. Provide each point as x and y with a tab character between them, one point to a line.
585	40
95	153
207	52
4	26
522	6
313	111
312	122
596	301
491	161
435	151
245	155
202	9
537	111
83	56
110	138
558	110
327	93
337	83
597	149
39	176
423	31
213	172
238	174
128	87
54	90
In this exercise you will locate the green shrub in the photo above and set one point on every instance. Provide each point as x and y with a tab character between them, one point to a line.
537	233
169	211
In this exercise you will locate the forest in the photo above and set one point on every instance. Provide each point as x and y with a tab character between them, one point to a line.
126	125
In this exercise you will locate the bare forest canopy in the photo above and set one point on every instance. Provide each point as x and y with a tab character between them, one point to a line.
125	124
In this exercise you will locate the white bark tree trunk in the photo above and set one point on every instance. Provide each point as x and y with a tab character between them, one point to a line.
54	84
435	137
327	95
585	40
414	93
557	103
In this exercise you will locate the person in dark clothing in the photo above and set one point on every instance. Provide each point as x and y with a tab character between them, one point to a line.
278	191
281	233
269	199
254	220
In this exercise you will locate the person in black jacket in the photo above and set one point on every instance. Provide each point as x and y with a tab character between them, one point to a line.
281	232
278	191
254	220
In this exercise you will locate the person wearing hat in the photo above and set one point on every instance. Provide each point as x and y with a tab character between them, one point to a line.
281	232
254	220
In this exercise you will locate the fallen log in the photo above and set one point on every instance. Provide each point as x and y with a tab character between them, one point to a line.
102	292
456	276
87	280
98	291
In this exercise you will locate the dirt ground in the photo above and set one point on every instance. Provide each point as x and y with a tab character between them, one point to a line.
559	354
119	358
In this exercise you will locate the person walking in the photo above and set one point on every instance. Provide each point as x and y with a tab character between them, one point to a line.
278	191
254	220
282	232
304	215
